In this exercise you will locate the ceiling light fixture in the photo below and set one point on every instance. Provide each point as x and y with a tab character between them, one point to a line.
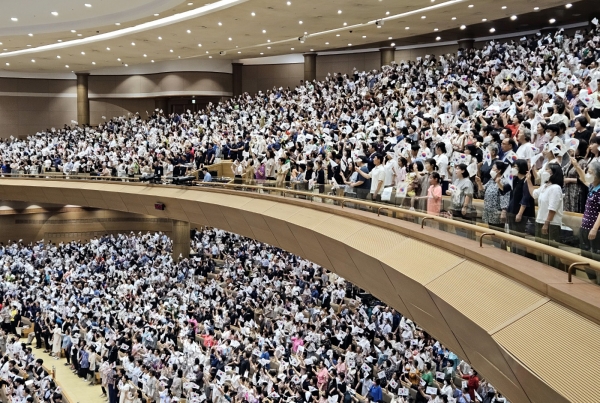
230	39
189	31
438	38
289	3
126	65
364	36
253	14
470	5
492	30
264	31
552	21
504	7
32	60
57	56
88	5
292	48
453	18
145	55
463	27
73	31
220	23
30	34
210	57
132	43
93	63
261	53
66	65
387	13
151	61
118	59
435	29
117	23
423	17
484	19
345	23
389	38
199	45
569	5
83	53
339	11
536	8
337	35
78	34
300	22
156	14
54	13
8	64
107	48
349	44
160	38
14	19
513	17
393	44
171	50
326	43
268	47
60	40
407	28
190	4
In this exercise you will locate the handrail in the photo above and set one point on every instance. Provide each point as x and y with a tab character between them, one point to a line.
572	268
379	210
539	247
481	237
425	219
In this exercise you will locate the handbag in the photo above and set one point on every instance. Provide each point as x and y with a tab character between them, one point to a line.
386	195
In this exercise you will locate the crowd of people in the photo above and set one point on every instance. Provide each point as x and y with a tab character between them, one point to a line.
491	123
239	321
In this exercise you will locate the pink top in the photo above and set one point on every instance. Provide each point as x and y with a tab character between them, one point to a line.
296	342
434	199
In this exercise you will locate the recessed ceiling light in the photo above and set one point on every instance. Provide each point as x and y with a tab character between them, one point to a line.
230	39
14	19
407	28
470	5
54	13
504	7
171	50
117	23
261	53
326	43
349	44
126	65
568	5
345	23
107	48
210	57
492	29
73	31
83	53
253	14
536	8
268	47
220	23
32	60
435	30
94	63
88	5
30	34
387	13
190	4
66	65
513	17
453	18
58	56
312	50
78	34
28	46
463	27
199	45
389	38
207	51
484	19
264	31
160	38
552	21
339	11
145	55
364	36
8	64
132	43
60	40
239	52
337	34
393	44
289	3
268	40
151	61
423	17
300	22
118	59
188	31
292	48
156	14
438	38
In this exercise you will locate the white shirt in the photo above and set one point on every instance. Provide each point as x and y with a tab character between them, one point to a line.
442	164
525	151
550	198
377	175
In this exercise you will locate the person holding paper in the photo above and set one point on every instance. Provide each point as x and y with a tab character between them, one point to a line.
377	177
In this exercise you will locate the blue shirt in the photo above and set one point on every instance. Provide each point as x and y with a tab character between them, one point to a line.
376	393
207	177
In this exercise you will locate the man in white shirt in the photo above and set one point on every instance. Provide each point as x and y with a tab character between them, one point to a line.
525	150
377	176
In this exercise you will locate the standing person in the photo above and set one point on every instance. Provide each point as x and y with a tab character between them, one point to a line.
521	207
37	329
590	223
550	206
56	341
441	160
575	190
434	194
377	177
462	195
360	185
66	346
496	196
111	382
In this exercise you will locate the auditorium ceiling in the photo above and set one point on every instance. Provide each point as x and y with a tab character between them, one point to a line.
86	35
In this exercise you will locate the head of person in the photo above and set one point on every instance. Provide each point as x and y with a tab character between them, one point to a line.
377	159
498	169
524	137
440	148
435	179
461	171
554	175
592	176
519	167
